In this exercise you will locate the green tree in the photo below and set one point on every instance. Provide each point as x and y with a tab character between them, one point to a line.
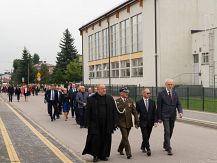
28	71
57	77
74	71
68	51
17	73
36	59
44	74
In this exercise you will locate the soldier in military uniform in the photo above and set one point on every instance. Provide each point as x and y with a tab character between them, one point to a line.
125	108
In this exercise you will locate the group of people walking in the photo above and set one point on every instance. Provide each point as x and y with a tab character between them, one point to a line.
105	115
102	115
24	90
74	98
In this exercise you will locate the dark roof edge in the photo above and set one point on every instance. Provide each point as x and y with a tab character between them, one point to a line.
107	14
201	30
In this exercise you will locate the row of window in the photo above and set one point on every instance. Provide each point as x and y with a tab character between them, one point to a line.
118	69
205	58
125	37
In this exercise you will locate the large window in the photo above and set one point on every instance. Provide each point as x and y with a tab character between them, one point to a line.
115	69
91	71
205	58
97	46
124	37
136	23
90	47
125	68
113	40
137	67
105	43
98	71
105	70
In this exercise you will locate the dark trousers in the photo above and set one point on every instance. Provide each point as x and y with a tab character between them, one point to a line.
72	109
52	104
82	116
146	132
10	97
18	97
124	141
168	131
59	108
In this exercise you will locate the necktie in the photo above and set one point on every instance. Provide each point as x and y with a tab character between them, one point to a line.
170	95
146	104
52	95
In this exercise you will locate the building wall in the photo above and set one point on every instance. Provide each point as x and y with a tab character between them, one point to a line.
202	43
123	15
175	20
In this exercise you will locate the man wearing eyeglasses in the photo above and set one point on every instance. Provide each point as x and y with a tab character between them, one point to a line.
146	109
167	103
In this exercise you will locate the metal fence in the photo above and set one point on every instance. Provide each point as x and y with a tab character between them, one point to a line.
192	97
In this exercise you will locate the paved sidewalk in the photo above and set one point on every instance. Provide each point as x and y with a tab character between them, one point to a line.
200	118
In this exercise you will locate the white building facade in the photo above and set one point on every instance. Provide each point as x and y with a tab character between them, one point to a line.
125	38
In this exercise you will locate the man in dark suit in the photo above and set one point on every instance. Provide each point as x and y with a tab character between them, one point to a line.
167	103
10	92
146	109
51	96
72	94
59	102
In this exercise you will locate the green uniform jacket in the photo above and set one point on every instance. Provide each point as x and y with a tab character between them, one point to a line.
125	111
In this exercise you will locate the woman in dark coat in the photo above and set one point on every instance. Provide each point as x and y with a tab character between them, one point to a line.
101	117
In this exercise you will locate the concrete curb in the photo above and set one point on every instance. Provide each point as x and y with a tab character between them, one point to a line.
198	122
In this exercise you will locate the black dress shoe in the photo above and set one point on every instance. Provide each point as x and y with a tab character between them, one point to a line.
104	159
121	152
51	119
170	152
95	159
143	149
149	152
129	156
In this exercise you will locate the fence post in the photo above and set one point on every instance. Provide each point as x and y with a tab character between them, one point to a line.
135	93
117	90
187	97
203	99
152	92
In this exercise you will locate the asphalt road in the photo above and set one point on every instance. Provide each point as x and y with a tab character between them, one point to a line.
190	143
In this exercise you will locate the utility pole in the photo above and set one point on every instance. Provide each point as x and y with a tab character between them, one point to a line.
28	68
156	63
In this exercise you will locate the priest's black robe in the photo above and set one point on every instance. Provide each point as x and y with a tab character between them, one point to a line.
101	118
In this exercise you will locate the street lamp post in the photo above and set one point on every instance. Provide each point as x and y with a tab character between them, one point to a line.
109	55
156	63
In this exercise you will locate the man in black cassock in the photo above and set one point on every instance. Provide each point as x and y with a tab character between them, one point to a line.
101	119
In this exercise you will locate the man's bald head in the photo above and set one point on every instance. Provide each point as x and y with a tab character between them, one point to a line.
101	89
169	83
146	93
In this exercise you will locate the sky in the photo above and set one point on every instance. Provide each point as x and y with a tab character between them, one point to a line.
38	25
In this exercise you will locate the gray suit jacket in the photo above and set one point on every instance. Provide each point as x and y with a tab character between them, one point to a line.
81	98
166	107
